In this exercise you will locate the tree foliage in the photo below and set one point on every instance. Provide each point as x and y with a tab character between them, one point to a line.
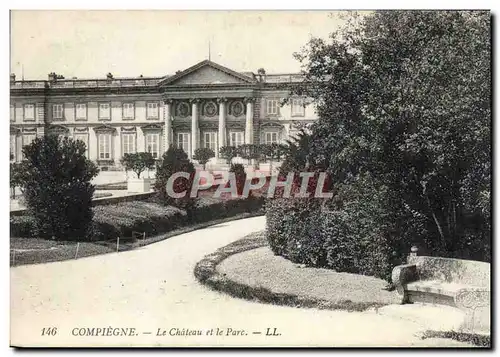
228	153
240	176
17	175
175	160
138	162
404	97
57	188
295	151
203	155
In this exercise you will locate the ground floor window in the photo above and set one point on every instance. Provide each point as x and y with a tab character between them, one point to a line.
128	143
236	138
153	144
104	148
84	137
183	141
28	139
210	140
13	141
271	137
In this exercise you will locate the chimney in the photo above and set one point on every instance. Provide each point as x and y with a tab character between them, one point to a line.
109	76
52	77
12	77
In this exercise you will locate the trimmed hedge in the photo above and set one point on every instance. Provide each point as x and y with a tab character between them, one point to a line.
21	226
346	233
122	219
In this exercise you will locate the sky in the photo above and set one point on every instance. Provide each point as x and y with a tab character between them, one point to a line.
87	44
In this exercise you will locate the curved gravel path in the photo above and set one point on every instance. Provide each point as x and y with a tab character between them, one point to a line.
153	290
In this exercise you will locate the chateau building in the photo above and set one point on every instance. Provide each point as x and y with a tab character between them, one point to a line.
206	105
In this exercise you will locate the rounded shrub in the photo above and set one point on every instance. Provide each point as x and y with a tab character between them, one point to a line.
175	160
57	188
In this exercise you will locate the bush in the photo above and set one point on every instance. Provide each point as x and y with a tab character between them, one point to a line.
120	220
17	172
57	189
240	175
347	233
175	160
21	226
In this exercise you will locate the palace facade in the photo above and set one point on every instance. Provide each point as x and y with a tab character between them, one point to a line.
206	105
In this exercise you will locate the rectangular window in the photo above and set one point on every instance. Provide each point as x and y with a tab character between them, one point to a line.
85	138
236	138
271	138
12	112
183	141
57	111
210	140
153	144
104	111
152	110
104	147
28	139
29	112
272	106
81	111
128	110
13	148
298	109
128	143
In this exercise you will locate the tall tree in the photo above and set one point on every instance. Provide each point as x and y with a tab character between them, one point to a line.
405	96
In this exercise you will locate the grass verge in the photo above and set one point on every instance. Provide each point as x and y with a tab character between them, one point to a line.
475	339
26	251
206	273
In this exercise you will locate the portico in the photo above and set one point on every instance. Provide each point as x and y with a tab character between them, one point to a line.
206	122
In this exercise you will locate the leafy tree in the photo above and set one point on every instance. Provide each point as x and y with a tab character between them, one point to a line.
228	153
405	96
138	162
175	160
296	153
249	151
57	189
203	155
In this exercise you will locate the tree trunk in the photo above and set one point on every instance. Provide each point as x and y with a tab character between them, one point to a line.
436	221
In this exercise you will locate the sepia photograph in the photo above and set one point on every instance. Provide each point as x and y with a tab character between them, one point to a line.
250	178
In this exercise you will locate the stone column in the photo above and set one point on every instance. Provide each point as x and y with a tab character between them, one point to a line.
249	121
222	124
194	126
167	117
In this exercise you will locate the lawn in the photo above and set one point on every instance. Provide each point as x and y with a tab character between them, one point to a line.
260	267
121	220
248	269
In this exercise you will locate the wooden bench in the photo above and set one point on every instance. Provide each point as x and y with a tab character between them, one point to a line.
464	284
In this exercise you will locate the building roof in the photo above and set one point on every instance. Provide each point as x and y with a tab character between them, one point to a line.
141	81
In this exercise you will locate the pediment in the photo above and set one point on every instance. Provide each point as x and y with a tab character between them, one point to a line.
151	127
58	129
207	73
104	128
271	125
